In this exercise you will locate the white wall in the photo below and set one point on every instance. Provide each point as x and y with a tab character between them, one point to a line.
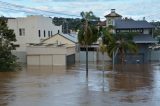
47	25
112	20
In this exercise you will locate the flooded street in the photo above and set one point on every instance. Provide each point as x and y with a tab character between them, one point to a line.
131	85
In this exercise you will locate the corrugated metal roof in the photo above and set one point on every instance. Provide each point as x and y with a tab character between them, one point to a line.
144	39
71	37
126	24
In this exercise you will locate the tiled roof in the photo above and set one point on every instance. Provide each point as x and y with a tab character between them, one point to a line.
144	39
125	24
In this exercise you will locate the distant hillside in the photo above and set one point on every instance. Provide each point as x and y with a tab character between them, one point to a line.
71	23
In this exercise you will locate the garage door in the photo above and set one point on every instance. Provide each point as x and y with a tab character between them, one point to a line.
33	60
59	60
71	59
46	60
92	56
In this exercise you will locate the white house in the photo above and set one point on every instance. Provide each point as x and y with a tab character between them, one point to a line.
31	29
69	40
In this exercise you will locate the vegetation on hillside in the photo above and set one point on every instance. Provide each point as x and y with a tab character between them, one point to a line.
72	23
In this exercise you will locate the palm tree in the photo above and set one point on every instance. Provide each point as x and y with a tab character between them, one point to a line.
123	42
87	34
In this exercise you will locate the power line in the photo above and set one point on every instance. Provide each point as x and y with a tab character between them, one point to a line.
21	8
11	9
33	9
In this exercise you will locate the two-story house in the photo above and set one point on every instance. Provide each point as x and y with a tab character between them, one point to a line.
31	29
143	39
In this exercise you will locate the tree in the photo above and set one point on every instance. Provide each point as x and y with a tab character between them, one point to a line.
122	43
156	32
7	37
87	33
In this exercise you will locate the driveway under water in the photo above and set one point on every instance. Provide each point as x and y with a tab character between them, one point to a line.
130	85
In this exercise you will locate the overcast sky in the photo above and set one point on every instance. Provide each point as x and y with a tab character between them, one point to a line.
136	9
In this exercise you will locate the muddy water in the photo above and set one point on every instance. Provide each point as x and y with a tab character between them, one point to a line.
130	85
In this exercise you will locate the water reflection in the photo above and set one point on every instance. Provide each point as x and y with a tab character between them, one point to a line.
46	70
6	89
131	77
130	85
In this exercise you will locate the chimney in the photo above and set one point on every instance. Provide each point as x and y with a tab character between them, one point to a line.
144	18
113	10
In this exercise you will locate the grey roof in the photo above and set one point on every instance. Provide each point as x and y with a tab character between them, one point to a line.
125	24
144	39
71	37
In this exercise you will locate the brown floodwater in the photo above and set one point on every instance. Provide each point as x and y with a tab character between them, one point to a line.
130	85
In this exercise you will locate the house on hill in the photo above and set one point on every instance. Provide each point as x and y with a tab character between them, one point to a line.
143	39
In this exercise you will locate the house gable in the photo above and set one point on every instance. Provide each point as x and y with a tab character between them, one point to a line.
59	39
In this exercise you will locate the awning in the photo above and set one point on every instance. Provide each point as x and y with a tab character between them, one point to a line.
144	39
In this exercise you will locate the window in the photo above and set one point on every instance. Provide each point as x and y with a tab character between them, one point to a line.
44	33
39	33
21	32
110	22
150	31
89	49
